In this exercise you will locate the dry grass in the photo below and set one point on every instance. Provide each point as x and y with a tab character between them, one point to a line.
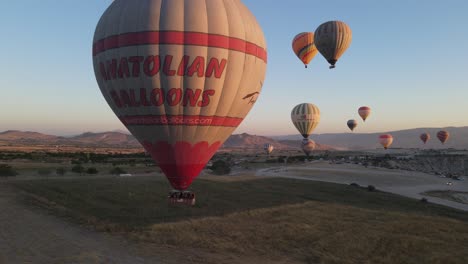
459	197
264	221
316	232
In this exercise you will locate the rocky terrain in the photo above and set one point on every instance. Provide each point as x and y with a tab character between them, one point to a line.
450	165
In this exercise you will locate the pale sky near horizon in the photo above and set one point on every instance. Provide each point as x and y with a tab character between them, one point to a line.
408	61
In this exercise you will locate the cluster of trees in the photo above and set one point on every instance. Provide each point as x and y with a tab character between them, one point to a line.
80	157
220	167
15	155
7	171
78	168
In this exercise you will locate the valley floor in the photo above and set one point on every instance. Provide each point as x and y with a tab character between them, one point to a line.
407	183
238	219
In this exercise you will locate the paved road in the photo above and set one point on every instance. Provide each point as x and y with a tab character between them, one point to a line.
406	183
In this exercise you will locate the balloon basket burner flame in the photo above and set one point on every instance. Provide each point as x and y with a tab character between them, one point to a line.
181	197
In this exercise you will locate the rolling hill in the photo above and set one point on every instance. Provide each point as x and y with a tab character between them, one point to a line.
247	141
343	141
14	137
408	138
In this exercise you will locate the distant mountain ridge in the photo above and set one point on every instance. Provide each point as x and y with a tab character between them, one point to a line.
408	138
27	137
257	142
13	137
118	139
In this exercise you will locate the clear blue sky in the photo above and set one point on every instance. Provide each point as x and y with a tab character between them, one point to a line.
408	61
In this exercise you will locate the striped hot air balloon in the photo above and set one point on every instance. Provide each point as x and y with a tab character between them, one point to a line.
386	140
305	118
364	112
352	124
332	39
425	137
443	136
268	148
181	75
304	48
307	146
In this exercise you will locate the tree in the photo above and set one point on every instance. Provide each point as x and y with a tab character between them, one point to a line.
92	171
44	172
220	167
78	169
60	171
7	171
117	171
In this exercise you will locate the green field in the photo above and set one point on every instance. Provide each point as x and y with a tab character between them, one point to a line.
264	219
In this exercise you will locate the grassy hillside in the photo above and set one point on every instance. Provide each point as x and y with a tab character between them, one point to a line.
265	219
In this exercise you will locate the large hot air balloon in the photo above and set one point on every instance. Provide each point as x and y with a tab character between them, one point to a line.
364	112
386	140
307	146
268	148
305	118
425	137
332	39
443	136
304	48
352	124
181	75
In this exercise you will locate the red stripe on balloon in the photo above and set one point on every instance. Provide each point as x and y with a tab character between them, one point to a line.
181	120
178	38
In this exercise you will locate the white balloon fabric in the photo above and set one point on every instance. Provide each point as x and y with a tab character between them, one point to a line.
180	74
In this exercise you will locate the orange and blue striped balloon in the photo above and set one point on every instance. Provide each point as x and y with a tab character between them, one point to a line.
304	47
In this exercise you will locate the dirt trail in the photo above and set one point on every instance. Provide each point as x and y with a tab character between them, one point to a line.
31	236
406	183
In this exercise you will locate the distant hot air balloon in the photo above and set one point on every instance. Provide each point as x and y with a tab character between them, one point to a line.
307	146
305	118
443	136
425	137
268	148
180	75
304	48
364	112
352	124
332	39
386	140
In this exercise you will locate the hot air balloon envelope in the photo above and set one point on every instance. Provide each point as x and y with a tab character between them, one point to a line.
304	48
352	124
305	118
307	146
180	75
268	148
443	136
425	137
332	39
386	140
364	112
